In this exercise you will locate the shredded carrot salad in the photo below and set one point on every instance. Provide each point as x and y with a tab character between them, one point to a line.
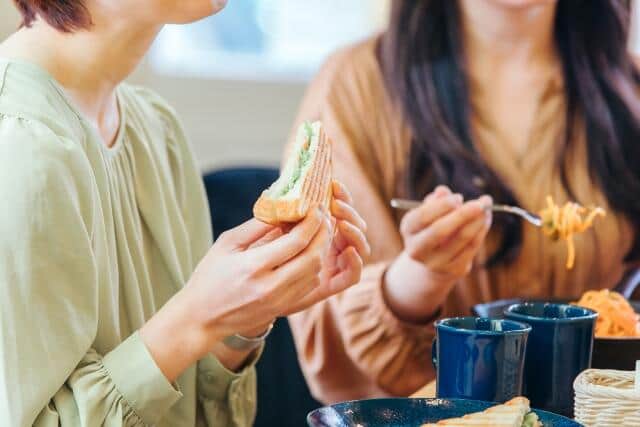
562	222
616	317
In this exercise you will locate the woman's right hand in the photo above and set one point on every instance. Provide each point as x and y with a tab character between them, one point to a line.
441	239
250	276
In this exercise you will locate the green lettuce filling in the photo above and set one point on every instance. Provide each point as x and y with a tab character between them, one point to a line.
530	420
303	160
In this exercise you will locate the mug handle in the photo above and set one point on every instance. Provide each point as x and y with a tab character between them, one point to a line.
434	353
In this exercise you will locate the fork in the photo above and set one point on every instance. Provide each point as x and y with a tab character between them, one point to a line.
404	204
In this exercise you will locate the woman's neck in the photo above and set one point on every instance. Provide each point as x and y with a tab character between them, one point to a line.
496	35
88	64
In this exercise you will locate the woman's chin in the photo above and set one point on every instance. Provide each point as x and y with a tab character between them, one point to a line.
218	5
201	9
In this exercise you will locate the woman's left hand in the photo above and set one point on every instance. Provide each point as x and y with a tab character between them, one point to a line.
342	266
344	262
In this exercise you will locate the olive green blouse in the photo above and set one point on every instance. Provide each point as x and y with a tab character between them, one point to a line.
93	241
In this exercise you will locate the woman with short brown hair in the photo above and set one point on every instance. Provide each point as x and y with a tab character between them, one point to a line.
64	16
114	308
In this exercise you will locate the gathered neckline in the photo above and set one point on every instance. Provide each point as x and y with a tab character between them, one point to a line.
38	72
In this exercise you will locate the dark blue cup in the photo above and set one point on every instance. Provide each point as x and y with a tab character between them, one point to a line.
479	358
559	348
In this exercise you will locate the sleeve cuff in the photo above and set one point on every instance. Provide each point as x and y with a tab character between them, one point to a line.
139	380
215	382
393	323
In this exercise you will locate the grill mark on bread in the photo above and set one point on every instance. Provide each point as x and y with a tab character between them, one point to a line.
325	171
321	154
311	179
315	189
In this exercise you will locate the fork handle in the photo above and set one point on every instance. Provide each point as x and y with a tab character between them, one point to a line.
405	204
506	208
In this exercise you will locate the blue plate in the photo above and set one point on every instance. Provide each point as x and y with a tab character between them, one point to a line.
403	412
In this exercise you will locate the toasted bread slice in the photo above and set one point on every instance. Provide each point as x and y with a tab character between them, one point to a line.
305	181
511	414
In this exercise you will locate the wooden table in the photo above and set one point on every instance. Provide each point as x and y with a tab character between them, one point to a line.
428	390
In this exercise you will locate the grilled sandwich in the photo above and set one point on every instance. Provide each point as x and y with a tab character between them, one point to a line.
514	413
305	181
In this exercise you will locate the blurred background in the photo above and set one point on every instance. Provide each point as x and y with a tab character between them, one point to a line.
236	79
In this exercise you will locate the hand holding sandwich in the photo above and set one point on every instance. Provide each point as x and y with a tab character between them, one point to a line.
250	276
343	264
294	257
306	181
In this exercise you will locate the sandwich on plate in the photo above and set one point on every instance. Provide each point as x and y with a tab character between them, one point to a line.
305	181
514	413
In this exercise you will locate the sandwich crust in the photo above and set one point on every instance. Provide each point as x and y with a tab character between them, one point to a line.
316	190
510	414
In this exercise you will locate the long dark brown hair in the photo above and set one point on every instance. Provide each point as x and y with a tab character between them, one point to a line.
422	58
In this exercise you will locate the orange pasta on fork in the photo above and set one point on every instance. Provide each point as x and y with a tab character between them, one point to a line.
562	222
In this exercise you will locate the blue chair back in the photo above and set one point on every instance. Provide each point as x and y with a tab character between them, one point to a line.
283	396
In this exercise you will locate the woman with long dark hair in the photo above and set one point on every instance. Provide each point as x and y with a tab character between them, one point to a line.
460	103
115	307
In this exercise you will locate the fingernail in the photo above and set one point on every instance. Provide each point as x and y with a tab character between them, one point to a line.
486	201
442	190
456	199
488	214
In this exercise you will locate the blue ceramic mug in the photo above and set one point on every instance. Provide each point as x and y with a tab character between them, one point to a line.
479	358
559	348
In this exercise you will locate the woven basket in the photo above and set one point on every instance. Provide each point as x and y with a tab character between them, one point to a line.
607	398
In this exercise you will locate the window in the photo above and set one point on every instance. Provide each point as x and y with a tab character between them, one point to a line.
266	39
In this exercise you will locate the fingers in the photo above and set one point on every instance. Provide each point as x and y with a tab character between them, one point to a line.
442	229
343	211
279	251
350	235
462	263
350	264
294	296
292	281
307	263
341	192
434	207
468	253
272	235
440	191
461	240
245	234
350	225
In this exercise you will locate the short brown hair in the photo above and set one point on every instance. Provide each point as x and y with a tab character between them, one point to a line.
64	15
